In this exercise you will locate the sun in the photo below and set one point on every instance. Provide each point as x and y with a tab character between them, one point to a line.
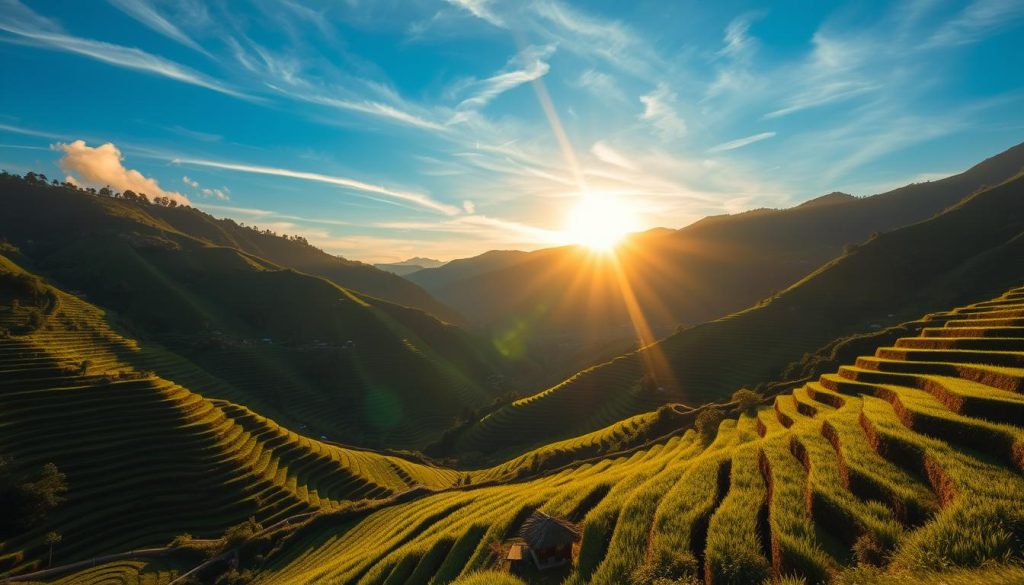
599	222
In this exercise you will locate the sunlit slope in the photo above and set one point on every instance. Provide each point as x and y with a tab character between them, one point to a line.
146	458
911	458
971	250
294	347
709	269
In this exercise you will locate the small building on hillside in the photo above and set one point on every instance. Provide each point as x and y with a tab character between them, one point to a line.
550	541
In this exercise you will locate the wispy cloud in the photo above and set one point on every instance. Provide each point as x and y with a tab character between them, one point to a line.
601	85
376	109
660	112
481	9
978	20
31	28
530	64
353	184
821	95
146	13
741	142
606	153
30	132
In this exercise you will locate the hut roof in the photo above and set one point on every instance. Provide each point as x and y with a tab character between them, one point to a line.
541	531
515	552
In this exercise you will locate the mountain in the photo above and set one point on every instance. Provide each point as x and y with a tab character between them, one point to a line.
296	253
901	467
409	266
290	345
440	277
711	268
972	249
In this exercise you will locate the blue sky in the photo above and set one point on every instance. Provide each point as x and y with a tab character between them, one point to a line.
388	129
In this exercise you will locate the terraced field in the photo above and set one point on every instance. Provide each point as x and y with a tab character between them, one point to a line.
910	459
146	458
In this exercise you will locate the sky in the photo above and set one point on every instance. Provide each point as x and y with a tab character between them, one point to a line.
386	129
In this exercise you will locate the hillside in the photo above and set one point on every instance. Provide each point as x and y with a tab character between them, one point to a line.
291	346
974	248
902	468
66	213
709	269
147	458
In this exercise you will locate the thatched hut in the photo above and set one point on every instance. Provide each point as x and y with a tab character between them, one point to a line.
550	540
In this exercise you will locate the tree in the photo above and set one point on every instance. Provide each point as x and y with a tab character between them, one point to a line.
51	540
106	192
707	422
129	194
746	399
30	501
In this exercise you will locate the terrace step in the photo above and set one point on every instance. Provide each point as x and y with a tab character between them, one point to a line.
995	358
922	413
975	330
1012	344
958	395
997	322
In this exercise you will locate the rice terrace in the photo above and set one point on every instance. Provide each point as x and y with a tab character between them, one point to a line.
477	292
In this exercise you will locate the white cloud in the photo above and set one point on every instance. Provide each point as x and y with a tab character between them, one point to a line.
606	153
221	194
145	13
102	165
38	31
372	108
190	182
822	94
741	142
481	9
530	64
469	206
659	110
353	184
600	84
738	43
979	19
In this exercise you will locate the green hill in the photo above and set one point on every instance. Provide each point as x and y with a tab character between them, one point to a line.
146	458
973	248
902	468
291	346
709	269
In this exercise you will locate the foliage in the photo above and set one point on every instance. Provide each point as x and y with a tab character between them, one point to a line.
28	498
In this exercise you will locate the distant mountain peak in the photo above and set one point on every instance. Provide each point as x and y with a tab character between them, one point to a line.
421	261
829	199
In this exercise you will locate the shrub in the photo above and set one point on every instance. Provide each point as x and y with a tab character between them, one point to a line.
240	533
747	400
707	422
